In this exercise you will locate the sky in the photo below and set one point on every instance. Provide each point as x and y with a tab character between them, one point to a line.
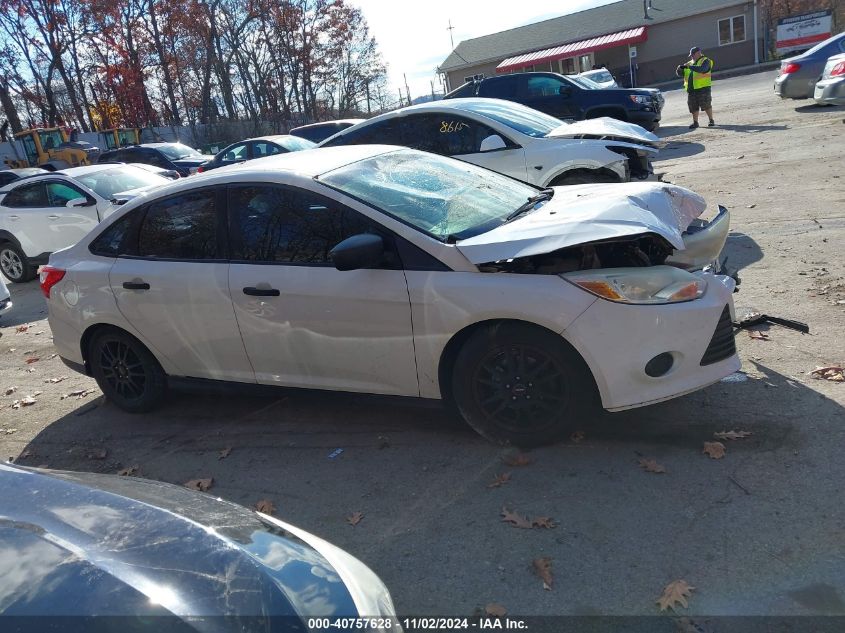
413	36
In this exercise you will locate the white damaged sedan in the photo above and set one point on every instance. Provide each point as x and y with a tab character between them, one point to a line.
383	270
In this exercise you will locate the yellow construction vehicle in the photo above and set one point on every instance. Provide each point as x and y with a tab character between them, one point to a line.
51	149
117	137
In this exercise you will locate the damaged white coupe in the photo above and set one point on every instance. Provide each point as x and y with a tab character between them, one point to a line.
392	271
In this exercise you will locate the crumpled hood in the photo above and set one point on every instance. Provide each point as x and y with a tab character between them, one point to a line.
604	126
588	213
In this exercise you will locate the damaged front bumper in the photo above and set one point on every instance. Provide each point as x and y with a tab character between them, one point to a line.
703	243
685	342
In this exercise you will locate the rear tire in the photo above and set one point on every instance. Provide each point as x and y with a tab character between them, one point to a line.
126	371
518	384
14	264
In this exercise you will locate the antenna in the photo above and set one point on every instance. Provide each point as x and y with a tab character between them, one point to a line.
450	29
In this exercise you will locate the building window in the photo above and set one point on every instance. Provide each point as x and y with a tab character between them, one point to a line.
732	30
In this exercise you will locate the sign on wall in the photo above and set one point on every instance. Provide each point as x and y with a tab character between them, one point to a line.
803	31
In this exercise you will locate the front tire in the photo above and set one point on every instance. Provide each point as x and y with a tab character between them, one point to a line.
518	384
14	264
126	372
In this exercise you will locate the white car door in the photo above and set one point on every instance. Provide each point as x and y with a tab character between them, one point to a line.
23	212
172	287
305	323
66	225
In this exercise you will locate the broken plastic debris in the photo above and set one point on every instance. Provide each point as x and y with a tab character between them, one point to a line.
335	453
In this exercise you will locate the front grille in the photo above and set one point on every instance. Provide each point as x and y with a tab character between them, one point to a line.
722	344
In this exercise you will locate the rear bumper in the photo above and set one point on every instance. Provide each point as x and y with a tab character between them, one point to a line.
618	355
830	91
793	87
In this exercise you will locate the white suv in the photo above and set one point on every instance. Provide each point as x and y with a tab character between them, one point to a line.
42	214
385	270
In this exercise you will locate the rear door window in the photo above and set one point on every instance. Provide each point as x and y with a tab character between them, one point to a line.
60	193
181	227
27	196
500	88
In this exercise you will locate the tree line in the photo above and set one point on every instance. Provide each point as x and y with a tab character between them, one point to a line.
96	64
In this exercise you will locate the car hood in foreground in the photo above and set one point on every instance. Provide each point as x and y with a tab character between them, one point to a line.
582	214
81	544
604	127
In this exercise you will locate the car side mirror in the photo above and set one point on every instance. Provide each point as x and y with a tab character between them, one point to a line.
492	142
564	91
78	202
359	251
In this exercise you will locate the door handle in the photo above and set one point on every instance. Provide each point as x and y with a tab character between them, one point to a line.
14	217
54	217
261	292
136	285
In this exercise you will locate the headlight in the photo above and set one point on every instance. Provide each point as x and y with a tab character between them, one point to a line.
641	99
653	285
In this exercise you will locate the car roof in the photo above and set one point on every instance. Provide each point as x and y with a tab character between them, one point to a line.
319	124
74	172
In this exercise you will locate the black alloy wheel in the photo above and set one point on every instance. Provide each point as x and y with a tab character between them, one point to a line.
519	384
126	371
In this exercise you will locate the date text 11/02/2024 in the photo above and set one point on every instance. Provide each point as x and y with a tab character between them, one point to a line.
411	624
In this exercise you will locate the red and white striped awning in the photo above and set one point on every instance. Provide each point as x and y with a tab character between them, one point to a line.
573	49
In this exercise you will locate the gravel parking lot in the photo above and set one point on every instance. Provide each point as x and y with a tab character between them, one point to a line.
760	531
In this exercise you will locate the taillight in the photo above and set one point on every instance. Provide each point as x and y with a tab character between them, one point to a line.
48	277
791	67
200	169
837	70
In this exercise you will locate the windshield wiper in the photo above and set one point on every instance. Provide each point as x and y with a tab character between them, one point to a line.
545	194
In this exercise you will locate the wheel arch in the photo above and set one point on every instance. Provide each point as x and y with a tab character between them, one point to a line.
92	330
453	346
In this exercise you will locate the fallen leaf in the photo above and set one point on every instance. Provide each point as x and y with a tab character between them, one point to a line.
78	394
25	402
127	472
495	610
224	453
266	506
676	592
56	380
543	522
10	391
731	435
499	480
202	485
757	335
834	373
543	568
98	454
517	459
354	518
651	466
21	328
516	520
52	356
9	431
32	359
715	450
577	436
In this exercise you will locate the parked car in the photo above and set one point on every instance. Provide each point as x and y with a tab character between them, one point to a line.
798	75
5	297
43	214
561	97
514	140
110	553
830	89
170	174
256	148
11	175
601	77
317	132
387	270
586	82
176	156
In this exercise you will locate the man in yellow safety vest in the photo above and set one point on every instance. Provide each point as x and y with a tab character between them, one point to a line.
697	80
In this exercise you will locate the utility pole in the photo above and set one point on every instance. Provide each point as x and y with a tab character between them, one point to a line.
407	90
432	89
450	29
